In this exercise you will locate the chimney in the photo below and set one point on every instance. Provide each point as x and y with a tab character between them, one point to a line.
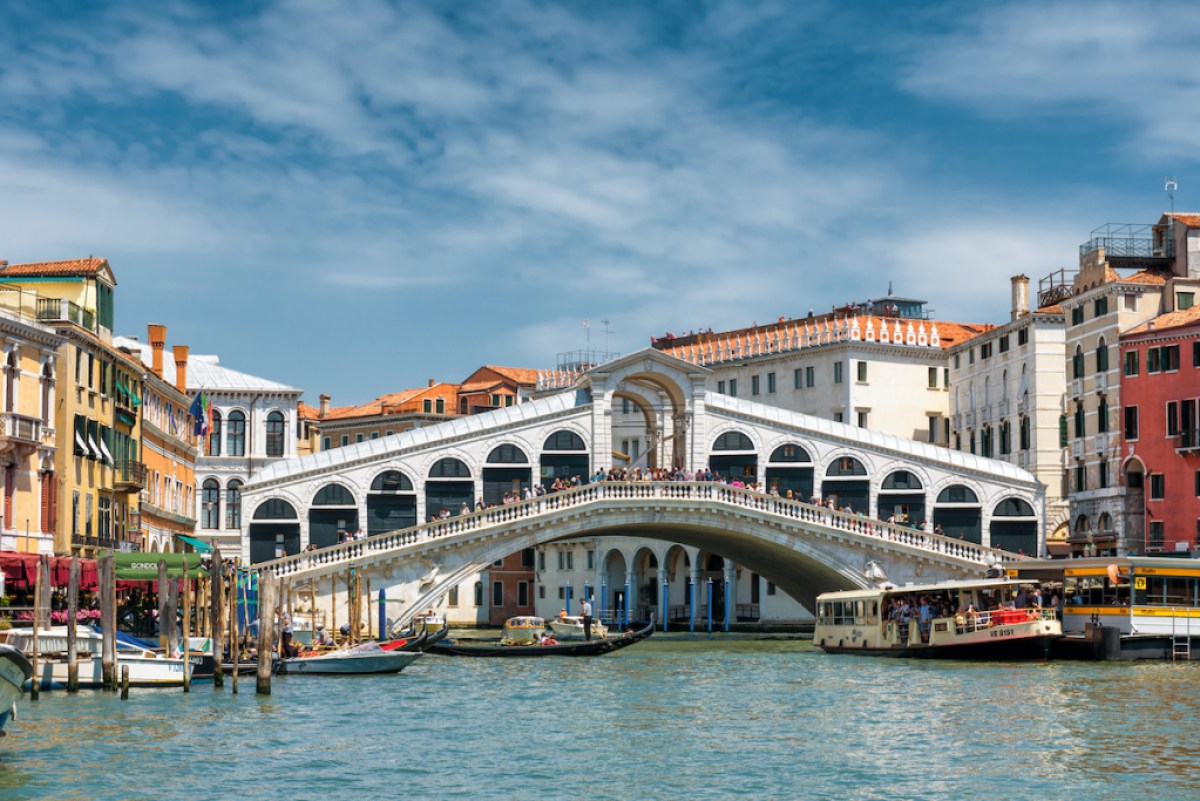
324	406
158	340
181	359
1020	296
432	382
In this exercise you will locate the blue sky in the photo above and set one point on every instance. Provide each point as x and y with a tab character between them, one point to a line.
354	202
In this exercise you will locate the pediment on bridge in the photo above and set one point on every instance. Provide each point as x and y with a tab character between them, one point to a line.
647	360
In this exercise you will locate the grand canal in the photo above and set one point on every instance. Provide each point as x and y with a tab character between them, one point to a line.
667	719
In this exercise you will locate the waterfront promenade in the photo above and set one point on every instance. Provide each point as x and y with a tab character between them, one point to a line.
673	718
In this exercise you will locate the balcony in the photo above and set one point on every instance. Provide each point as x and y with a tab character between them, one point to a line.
1102	382
1132	246
1105	442
971	419
19	433
1076	387
985	415
57	310
1188	441
1077	449
1024	405
129	476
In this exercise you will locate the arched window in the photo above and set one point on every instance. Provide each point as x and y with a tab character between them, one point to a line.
733	441
275	434
214	434
987	391
1102	415
237	433
11	374
333	495
507	454
902	480
1080	422
1026	442
47	390
479	593
210	517
391	481
1102	356
233	505
1004	387
1077	363
1081	525
275	509
957	493
449	468
564	441
790	453
1013	507
846	466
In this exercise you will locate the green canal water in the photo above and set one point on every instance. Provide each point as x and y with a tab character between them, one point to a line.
666	719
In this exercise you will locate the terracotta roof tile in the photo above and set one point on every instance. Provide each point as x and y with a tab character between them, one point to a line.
1146	277
521	375
387	404
88	266
306	412
1175	319
1190	220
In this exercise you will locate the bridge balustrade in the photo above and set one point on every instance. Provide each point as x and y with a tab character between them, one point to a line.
548	505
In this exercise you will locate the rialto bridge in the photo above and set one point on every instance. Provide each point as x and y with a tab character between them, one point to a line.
391	487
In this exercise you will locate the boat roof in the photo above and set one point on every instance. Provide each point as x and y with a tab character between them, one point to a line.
891	589
1057	569
523	621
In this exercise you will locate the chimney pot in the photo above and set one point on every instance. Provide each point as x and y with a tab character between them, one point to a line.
157	334
431	382
1020	296
181	362
324	408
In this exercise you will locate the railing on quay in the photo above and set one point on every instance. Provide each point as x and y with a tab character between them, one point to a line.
547	505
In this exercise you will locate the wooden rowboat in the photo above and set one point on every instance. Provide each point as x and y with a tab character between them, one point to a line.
585	648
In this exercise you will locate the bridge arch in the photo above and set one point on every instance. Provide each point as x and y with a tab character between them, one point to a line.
391	502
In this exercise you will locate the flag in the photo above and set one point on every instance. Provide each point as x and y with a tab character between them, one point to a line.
199	412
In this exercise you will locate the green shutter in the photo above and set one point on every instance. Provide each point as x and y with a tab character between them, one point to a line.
1062	431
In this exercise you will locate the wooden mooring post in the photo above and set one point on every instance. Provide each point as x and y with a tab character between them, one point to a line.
235	638
216	615
267	601
36	685
73	627
187	628
108	621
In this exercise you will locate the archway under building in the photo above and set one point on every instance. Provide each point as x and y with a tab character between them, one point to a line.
274	531
959	514
391	503
333	513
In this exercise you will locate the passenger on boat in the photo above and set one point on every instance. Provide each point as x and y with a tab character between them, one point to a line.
546	639
322	636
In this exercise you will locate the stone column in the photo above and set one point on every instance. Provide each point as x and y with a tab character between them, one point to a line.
694	575
730	576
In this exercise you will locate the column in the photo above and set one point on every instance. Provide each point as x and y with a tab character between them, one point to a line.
665	593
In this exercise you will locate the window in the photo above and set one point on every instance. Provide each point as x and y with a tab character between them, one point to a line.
946	377
75	513
1077	363
496	400
1103	473
933	427
374	435
570	560
326	444
1196	354
1156	534
1005	438
957	360
1102	417
233	505
862	419
933	371
837	372
479	593
210	499
237	433
810	376
770	588
104	516
1170	358
427	405
215	434
1157	486
1025	439
1080	427
591	560
562	560
1004	344
753	385
1100	307
1080	478
985	350
733	387
797	379
970	355
275	434
1102	356
862	372
721	387
497	593
1131	362
440	406
770	383
1023	336
1172	418
837	417
452	596
522	593
1185	300
358	437
1131	423
1077	315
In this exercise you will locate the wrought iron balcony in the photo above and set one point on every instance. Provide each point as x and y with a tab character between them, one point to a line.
1188	440
129	475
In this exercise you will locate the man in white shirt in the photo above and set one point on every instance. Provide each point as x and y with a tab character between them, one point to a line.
586	610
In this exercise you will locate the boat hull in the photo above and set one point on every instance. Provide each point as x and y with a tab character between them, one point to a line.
349	664
585	648
15	670
1030	648
143	671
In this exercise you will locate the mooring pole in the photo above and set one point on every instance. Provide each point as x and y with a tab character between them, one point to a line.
710	599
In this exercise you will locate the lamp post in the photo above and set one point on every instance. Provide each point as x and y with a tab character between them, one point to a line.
625	607
666	607
603	598
710	604
568	597
727	604
691	604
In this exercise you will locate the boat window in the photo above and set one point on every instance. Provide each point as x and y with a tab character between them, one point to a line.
1165	591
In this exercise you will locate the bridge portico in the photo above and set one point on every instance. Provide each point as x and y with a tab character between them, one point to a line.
394	488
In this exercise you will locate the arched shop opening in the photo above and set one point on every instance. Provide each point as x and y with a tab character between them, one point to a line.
902	495
274	531
334	512
1014	527
846	481
734	457
449	486
391	503
507	470
959	514
790	470
564	455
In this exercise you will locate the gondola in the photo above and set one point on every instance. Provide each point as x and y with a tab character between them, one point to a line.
417	641
585	648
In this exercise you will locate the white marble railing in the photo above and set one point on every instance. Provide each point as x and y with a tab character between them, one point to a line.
632	493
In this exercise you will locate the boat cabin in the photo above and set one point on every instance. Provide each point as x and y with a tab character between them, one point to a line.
522	630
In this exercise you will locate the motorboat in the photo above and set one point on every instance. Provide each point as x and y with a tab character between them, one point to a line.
973	619
570	627
147	668
533	649
15	670
522	630
364	658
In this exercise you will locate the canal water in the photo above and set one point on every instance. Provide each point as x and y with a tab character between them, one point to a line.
666	719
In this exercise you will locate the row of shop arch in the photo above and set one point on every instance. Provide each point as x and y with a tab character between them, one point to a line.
392	499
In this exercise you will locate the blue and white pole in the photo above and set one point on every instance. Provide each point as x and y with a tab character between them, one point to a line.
568	597
727	604
625	607
603	598
666	597
691	604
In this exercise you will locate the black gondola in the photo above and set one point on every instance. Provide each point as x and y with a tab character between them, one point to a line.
584	648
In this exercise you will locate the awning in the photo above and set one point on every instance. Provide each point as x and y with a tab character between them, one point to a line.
143	566
200	545
82	445
104	448
92	447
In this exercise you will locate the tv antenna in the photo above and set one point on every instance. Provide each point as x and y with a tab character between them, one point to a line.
607	331
1170	188
587	326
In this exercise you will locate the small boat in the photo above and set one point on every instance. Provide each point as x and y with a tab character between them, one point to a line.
15	670
418	639
570	627
146	668
981	622
584	648
364	658
522	630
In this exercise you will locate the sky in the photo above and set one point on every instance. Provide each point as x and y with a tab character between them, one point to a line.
354	197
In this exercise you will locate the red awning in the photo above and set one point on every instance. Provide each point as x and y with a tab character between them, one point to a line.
20	570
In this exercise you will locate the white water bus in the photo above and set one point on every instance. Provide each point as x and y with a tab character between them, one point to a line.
976	619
